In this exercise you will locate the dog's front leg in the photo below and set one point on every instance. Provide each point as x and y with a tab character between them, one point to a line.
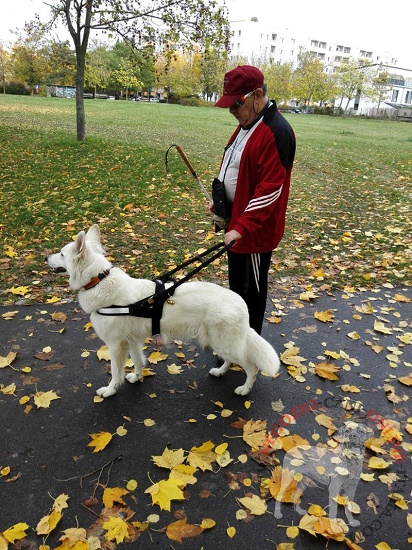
139	361
118	355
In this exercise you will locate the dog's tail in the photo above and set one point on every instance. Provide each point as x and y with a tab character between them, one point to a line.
262	354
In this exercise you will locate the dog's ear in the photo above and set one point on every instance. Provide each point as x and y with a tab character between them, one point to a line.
93	234
80	240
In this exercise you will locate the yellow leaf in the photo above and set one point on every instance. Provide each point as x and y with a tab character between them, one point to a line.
48	523
131	485
254	433
103	353
99	441
327	370
379	326
367	477
224	459
324	316
174	369
116	529
8	360
207	523
353	335
292	532
202	457
178	530
169	459
148	422
9	390
226	413
247	404
220	449
165	491
16	532
231	531
383	546
406	380
256	505
121	431
112	495
58	316
378	463
43	399
60	502
184	473
157	356
19	290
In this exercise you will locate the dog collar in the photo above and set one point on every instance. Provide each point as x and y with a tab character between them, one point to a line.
96	280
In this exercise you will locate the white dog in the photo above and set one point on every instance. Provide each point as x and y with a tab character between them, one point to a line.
217	317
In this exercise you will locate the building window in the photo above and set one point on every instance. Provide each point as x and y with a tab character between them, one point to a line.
274	37
346	50
338	59
408	98
272	49
322	45
339	48
314	43
239	33
395	95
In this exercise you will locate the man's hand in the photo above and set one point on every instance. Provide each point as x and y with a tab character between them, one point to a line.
232	236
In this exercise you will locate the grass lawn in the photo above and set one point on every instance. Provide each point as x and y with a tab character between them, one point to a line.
349	221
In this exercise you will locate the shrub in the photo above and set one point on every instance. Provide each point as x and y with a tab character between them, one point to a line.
17	88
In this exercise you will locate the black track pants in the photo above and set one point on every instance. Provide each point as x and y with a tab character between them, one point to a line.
248	277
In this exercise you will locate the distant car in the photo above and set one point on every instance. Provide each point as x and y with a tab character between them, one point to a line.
154	99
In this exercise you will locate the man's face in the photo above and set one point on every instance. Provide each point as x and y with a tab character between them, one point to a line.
243	109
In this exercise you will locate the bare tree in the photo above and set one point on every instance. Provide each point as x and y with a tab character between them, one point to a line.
166	24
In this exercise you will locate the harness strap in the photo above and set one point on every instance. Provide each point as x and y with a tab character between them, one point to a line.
148	308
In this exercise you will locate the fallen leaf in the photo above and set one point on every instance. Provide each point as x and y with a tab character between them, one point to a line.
43	399
100	441
256	505
180	530
324	316
112	495
8	360
327	370
116	529
165	491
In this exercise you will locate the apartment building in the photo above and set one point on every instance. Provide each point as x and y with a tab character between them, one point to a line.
259	41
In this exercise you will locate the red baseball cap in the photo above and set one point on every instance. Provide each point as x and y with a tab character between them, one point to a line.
238	82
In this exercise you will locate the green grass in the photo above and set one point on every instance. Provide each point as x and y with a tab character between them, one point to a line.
349	218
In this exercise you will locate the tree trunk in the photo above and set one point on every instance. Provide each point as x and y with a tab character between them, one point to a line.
80	114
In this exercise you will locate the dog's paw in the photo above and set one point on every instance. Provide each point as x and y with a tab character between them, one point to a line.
216	372
106	391
133	378
242	390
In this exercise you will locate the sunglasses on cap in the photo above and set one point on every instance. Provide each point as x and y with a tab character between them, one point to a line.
241	100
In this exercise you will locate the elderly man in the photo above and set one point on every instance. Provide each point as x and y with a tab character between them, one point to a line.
255	172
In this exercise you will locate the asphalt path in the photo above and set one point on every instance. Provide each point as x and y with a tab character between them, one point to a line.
45	450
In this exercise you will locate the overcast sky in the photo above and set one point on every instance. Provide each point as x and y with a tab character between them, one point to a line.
362	21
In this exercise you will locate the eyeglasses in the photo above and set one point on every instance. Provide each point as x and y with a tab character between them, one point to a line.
241	100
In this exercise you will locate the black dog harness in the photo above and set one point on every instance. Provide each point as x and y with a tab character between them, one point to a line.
152	306
149	308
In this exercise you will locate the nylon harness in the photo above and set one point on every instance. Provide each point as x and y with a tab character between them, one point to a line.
152	306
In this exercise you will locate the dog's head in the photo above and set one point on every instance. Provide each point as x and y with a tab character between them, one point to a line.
82	259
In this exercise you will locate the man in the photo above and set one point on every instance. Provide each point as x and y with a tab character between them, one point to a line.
255	170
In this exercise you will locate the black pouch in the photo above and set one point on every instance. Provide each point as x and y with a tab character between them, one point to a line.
222	208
